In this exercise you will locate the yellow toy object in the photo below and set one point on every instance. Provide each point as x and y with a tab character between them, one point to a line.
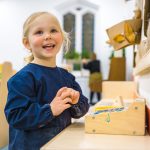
119	38
99	108
129	33
117	104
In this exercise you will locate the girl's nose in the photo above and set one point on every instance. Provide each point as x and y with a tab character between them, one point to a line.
47	36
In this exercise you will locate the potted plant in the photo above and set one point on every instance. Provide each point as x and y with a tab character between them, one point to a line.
73	58
85	54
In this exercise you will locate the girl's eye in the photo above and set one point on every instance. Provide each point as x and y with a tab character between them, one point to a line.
53	30
39	32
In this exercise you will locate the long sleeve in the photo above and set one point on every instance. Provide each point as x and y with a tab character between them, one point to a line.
81	108
87	66
93	66
22	108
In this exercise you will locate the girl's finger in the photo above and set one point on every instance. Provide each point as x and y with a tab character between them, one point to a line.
66	93
77	94
73	94
66	106
60	91
76	97
67	100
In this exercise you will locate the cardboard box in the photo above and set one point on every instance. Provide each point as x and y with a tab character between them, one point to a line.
129	121
136	25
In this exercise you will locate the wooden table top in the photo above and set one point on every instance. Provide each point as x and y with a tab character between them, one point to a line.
75	138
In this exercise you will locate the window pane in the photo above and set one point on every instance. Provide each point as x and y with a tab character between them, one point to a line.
88	32
69	26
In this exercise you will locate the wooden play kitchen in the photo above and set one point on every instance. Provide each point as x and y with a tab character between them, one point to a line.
117	115
120	130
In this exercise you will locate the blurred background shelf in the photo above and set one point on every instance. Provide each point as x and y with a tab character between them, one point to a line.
143	67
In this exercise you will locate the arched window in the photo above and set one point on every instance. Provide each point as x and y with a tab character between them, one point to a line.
88	32
69	26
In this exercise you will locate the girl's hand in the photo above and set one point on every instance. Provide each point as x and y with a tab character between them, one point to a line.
71	93
75	96
84	61
60	103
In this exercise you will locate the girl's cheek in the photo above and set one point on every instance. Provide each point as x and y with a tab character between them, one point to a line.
59	37
37	40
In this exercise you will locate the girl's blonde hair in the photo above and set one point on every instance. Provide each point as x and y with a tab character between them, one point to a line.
26	28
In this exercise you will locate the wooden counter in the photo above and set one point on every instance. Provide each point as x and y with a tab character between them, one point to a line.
74	138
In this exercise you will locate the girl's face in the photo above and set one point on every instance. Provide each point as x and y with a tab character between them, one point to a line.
44	38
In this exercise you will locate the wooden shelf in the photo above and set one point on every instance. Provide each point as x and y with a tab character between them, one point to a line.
143	67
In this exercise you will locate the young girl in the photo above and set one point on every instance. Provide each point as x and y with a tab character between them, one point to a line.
42	98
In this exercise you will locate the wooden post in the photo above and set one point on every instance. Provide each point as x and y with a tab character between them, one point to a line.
6	74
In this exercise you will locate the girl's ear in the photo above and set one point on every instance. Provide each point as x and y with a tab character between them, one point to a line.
26	43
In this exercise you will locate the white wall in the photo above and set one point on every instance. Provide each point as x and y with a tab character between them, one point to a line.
112	12
13	14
